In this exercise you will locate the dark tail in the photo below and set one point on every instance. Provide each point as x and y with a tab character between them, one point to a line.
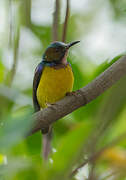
47	143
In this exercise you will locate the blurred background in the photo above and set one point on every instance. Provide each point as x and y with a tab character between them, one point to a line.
25	32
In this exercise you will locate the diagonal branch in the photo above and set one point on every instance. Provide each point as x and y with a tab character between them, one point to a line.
55	25
81	97
66	22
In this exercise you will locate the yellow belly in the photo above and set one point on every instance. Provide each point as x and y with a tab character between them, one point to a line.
54	84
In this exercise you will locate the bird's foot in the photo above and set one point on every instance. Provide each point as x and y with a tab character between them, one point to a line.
49	104
71	93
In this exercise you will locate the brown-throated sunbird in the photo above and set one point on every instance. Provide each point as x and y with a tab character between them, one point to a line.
53	79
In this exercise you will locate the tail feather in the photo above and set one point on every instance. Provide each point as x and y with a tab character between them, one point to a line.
47	143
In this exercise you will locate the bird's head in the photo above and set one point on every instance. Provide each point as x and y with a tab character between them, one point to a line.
57	52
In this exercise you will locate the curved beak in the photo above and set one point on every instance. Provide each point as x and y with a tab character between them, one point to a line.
72	43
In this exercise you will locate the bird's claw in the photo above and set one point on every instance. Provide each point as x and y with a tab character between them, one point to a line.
49	104
71	93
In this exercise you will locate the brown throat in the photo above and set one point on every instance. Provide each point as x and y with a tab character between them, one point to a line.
63	63
58	66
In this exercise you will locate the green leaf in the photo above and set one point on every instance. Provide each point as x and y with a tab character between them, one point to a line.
14	166
2	68
68	151
13	130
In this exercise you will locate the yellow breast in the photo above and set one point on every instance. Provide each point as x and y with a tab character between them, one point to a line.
54	84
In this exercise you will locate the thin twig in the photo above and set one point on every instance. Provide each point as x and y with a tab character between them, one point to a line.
85	95
96	155
15	57
110	175
92	175
15	44
10	23
55	26
26	12
66	21
27	6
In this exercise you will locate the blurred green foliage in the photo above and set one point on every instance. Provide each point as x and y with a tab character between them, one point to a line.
119	9
77	135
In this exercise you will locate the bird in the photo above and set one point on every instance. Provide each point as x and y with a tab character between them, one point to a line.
53	80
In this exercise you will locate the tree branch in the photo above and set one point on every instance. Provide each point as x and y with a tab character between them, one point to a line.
56	21
66	22
105	80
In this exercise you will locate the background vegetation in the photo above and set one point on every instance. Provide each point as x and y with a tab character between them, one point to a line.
93	137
